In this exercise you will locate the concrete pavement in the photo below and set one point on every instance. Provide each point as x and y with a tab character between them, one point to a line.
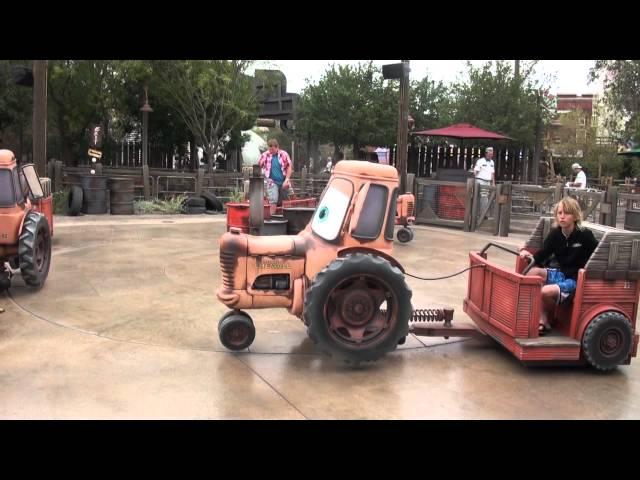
126	327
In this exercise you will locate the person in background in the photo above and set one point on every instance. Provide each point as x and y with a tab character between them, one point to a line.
485	173
581	178
276	168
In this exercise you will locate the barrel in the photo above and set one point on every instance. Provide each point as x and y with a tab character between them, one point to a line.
94	193
274	226
238	215
632	220
298	218
121	196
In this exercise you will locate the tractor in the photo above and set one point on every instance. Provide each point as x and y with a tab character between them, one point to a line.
338	274
340	277
26	223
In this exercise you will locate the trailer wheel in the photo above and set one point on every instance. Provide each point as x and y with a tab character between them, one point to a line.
34	249
607	341
236	330
405	235
345	312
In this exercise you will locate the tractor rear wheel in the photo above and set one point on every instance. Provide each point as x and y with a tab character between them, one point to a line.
34	249
358	308
607	341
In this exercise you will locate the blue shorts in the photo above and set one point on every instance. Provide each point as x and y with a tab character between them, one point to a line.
567	285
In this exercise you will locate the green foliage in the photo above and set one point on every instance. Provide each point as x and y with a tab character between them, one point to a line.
173	205
431	105
213	98
59	201
236	196
621	82
350	105
495	99
15	108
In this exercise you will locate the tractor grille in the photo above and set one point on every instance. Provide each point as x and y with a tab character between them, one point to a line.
227	264
410	209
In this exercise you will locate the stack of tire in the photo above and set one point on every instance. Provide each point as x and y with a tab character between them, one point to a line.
204	203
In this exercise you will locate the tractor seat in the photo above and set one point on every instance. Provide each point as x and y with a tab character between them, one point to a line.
276	245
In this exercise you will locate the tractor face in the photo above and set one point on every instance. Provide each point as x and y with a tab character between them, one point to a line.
12	205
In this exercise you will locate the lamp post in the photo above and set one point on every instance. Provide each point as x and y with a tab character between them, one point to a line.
145	109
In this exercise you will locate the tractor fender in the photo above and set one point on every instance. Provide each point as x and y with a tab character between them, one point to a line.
593	313
27	211
377	253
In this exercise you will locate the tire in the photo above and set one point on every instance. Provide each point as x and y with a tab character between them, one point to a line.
34	249
405	235
74	201
211	201
195	210
236	330
342	308
5	281
194	202
607	341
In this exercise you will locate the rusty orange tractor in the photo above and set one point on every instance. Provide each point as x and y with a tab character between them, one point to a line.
338	274
26	222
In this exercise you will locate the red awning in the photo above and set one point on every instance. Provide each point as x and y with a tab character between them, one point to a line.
462	130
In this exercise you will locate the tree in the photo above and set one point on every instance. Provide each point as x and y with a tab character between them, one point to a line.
79	94
350	105
495	99
212	97
621	82
430	104
16	108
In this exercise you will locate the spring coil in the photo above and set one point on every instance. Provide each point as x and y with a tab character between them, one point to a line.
424	315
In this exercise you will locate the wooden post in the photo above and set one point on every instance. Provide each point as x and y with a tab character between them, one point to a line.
609	207
199	181
468	205
39	125
303	180
505	216
57	173
475	206
403	127
559	192
145	181
613	200
498	211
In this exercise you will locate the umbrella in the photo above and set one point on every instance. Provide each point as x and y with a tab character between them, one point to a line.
462	131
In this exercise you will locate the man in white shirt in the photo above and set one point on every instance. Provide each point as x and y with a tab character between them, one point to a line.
485	173
580	181
484	169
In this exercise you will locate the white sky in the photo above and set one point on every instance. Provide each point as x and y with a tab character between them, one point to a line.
566	76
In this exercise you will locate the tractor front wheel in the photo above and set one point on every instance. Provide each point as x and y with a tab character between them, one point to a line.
236	330
405	235
34	249
358	308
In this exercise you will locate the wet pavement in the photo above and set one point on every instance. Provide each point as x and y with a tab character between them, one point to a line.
126	327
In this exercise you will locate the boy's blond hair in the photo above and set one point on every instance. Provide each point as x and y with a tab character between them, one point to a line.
572	207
